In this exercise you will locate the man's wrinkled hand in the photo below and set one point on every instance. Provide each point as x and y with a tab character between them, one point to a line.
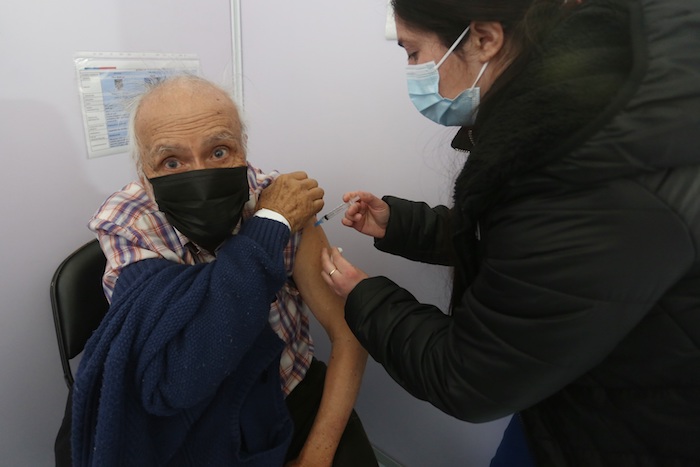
295	196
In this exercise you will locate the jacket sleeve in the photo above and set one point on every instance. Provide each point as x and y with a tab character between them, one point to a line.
194	323
417	232
562	281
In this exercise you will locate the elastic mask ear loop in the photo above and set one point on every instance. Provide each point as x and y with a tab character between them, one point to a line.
478	77
451	49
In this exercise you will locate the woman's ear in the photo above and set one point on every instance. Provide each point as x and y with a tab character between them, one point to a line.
485	39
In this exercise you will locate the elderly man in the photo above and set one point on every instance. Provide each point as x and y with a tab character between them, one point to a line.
205	352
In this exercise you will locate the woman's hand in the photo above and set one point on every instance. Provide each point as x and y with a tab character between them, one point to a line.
369	215
339	274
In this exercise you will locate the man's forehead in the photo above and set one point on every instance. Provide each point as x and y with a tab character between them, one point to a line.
186	95
187	105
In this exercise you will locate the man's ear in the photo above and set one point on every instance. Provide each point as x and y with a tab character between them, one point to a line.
486	39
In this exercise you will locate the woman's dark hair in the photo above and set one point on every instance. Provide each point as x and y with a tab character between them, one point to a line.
448	18
525	23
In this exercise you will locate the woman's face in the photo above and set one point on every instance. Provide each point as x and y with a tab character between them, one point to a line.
461	68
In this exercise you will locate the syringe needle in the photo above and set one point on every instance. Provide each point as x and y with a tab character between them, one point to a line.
337	210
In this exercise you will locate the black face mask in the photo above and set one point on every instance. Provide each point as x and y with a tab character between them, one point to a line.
205	205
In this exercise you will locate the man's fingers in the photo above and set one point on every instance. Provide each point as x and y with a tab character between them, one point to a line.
309	183
299	175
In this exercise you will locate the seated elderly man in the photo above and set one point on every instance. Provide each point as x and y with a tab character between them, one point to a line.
205	357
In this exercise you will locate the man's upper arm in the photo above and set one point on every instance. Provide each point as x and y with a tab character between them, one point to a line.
320	299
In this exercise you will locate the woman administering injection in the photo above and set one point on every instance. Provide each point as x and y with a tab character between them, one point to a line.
573	235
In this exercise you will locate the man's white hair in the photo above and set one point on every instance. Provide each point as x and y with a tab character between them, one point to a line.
135	105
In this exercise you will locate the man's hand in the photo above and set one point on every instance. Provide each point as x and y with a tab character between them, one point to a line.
295	196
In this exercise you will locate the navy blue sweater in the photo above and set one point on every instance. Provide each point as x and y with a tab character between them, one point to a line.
184	369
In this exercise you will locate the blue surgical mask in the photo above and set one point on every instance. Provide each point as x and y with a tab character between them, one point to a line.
423	88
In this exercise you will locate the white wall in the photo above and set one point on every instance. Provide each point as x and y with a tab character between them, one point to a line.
324	92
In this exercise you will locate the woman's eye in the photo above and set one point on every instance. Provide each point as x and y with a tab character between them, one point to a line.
220	152
413	56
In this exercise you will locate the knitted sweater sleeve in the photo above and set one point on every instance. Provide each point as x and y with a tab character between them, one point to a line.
192	324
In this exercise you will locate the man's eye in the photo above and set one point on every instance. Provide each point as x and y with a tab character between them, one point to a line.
220	152
171	163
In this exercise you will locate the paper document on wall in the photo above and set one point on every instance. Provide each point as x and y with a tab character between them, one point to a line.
108	83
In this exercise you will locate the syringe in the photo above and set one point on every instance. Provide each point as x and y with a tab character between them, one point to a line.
337	210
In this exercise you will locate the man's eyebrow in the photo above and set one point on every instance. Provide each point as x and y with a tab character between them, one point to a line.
166	148
223	136
173	147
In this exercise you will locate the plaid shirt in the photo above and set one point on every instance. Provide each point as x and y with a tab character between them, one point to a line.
130	228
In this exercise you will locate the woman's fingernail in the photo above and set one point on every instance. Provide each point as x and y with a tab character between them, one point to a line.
340	250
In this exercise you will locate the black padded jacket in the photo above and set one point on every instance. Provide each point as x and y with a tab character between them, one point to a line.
574	239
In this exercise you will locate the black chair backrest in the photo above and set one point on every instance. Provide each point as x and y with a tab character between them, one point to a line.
78	301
